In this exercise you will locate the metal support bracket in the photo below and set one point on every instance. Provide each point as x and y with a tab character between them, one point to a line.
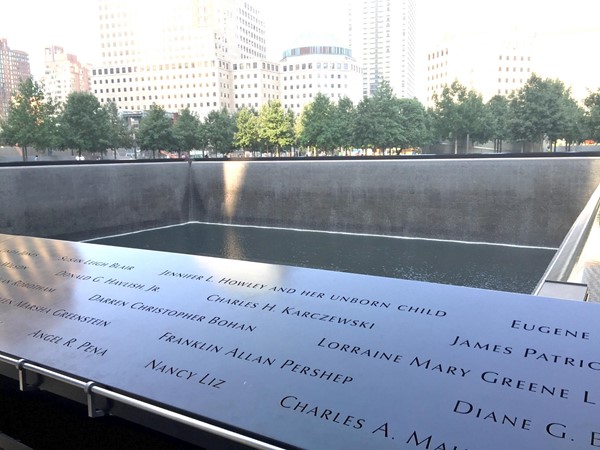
98	406
28	381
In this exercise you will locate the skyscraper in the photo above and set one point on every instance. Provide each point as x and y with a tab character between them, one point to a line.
14	68
177	54
382	37
178	30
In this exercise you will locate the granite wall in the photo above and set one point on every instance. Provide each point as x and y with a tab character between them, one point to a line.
523	201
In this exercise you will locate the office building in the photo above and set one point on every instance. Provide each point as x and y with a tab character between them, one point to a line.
255	83
480	62
14	68
383	40
63	74
307	71
177	54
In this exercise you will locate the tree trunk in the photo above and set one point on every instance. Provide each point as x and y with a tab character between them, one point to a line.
467	144
455	146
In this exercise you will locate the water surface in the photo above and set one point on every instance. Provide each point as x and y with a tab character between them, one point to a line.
496	267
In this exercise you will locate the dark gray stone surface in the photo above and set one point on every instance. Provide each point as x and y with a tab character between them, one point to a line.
314	359
531	201
80	201
513	201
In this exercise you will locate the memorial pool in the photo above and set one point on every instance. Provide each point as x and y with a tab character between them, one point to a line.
486	266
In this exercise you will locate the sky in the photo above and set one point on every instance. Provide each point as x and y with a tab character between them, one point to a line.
571	28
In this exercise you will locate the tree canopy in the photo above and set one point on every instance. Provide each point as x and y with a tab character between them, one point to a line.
318	128
156	131
275	130
592	115
219	130
31	118
118	133
186	132
84	124
542	112
498	116
246	136
459	115
541	109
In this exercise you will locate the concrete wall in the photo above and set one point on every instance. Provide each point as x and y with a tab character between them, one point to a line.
527	201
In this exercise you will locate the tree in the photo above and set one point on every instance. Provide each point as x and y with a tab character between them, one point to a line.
30	120
84	124
299	128
186	131
291	138
218	130
460	115
386	109
365	126
415	123
246	136
118	134
343	123
274	129
318	124
156	130
539	110
498	117
378	123
574	125
592	115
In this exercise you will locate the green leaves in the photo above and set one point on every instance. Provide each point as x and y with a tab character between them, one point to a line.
118	133
386	122
186	132
156	131
592	115
318	124
30	119
275	129
544	108
84	124
459	113
218	130
247	136
34	120
381	122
